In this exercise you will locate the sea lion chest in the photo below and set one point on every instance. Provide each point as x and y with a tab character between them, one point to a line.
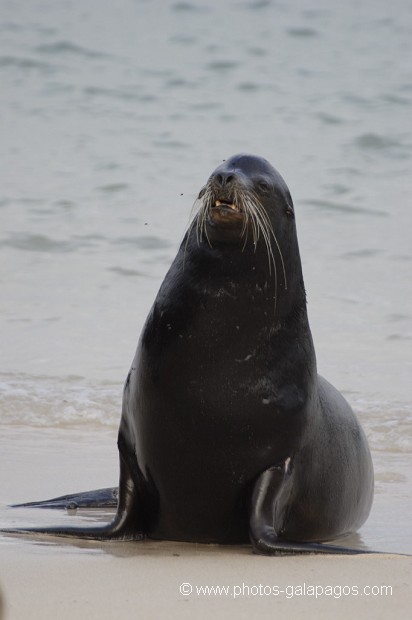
209	406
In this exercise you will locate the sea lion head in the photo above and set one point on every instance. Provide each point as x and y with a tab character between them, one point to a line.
246	203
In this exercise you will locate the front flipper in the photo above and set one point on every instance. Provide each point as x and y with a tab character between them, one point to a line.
266	493
125	525
101	498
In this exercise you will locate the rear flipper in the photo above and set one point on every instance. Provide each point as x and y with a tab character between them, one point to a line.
101	498
261	529
125	525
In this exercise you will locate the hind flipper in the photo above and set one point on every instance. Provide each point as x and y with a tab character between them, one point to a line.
264	539
125	525
100	498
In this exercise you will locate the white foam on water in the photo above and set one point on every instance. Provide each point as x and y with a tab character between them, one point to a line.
56	402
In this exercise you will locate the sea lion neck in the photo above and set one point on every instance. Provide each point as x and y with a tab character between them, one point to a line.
243	277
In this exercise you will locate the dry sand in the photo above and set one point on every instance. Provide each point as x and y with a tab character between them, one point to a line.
142	580
54	578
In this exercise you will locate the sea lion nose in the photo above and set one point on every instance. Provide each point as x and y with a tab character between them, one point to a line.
224	179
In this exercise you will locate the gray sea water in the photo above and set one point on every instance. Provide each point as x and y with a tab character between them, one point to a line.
113	115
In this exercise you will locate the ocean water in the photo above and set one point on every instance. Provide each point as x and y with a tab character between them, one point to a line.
112	117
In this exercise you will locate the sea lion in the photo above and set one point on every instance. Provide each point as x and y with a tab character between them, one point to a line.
227	432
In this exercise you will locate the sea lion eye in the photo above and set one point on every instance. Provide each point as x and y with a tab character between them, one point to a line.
289	212
263	187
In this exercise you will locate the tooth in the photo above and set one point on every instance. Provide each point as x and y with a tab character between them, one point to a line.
228	205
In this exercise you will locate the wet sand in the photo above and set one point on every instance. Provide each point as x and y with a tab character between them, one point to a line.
144	580
43	577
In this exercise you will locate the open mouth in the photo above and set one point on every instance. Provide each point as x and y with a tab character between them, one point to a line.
225	219
226	214
226	204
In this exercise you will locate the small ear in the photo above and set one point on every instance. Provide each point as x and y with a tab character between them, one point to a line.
290	212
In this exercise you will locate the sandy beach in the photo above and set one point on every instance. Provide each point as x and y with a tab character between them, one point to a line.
44	577
145	580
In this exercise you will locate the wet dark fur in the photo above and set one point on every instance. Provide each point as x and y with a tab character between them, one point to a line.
227	432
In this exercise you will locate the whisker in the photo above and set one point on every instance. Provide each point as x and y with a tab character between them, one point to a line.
193	219
265	227
255	227
237	199
255	219
259	206
248	211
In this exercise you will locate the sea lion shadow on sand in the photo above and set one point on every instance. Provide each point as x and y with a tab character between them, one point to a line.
227	433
